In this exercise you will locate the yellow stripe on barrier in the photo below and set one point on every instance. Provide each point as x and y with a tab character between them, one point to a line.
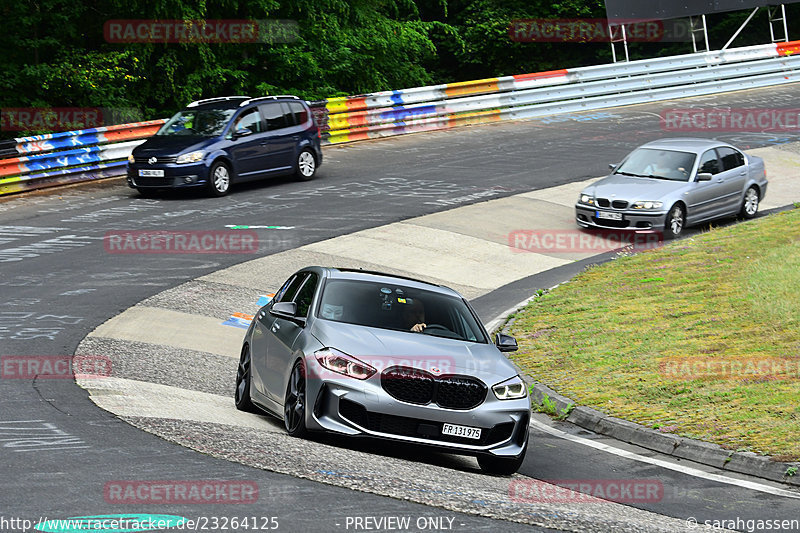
464	88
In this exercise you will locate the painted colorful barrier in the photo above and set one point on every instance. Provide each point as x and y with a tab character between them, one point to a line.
444	106
69	157
48	160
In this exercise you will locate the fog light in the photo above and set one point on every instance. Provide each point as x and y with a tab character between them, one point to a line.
188	179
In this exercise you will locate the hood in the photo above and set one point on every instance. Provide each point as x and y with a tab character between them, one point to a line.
171	145
617	186
382	348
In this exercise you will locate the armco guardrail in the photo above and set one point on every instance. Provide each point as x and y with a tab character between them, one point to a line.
101	152
69	157
389	113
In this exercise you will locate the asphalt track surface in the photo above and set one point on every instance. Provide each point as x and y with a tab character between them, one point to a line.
58	283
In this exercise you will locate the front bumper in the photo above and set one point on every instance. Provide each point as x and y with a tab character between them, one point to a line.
354	407
175	176
586	217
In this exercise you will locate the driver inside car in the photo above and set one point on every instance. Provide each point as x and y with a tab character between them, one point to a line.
414	315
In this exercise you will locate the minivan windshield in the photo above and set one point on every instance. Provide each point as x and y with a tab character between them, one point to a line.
197	122
391	306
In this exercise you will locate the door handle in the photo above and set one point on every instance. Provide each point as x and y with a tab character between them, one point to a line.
262	314
275	328
295	137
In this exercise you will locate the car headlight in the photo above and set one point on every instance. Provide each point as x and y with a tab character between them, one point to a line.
647	205
191	157
341	363
131	159
586	199
510	389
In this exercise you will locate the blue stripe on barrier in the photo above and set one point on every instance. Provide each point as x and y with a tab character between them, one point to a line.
401	113
107	165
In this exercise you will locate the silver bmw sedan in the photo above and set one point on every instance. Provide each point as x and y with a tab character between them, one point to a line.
372	354
670	184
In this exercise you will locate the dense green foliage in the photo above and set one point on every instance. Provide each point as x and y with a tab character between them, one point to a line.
55	52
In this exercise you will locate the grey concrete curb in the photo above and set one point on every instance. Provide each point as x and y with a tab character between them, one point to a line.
685	448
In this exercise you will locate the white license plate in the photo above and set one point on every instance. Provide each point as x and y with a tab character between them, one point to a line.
461	431
609	215
151	173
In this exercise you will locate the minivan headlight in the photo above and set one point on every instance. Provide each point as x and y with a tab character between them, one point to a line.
191	157
510	389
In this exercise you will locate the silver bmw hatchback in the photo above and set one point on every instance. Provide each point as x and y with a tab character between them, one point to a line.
670	184
372	354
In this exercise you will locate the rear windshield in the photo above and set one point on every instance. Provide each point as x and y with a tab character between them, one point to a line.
197	122
400	308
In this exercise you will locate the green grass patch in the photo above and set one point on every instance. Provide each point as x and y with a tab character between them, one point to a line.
700	338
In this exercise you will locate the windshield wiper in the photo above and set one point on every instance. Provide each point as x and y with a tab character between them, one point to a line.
634	175
653	176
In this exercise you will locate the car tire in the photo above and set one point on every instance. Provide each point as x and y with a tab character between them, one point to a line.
294	403
219	179
750	203
306	166
243	378
675	222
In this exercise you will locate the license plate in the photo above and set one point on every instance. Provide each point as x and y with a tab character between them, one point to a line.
608	215
152	173
461	431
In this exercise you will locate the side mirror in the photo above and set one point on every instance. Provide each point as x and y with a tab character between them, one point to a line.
241	132
704	176
505	343
612	166
286	310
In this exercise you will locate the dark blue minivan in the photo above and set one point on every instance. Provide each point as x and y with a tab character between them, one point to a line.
220	141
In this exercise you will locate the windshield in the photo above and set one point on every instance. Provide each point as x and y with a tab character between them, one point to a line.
400	308
655	163
198	122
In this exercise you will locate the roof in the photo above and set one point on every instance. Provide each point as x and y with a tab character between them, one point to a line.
686	144
371	275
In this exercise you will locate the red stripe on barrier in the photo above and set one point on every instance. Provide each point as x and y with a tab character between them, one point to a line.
787	49
128	133
538	75
11	167
356	103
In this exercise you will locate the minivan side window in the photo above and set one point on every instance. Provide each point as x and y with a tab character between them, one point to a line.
273	116
249	120
298	112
